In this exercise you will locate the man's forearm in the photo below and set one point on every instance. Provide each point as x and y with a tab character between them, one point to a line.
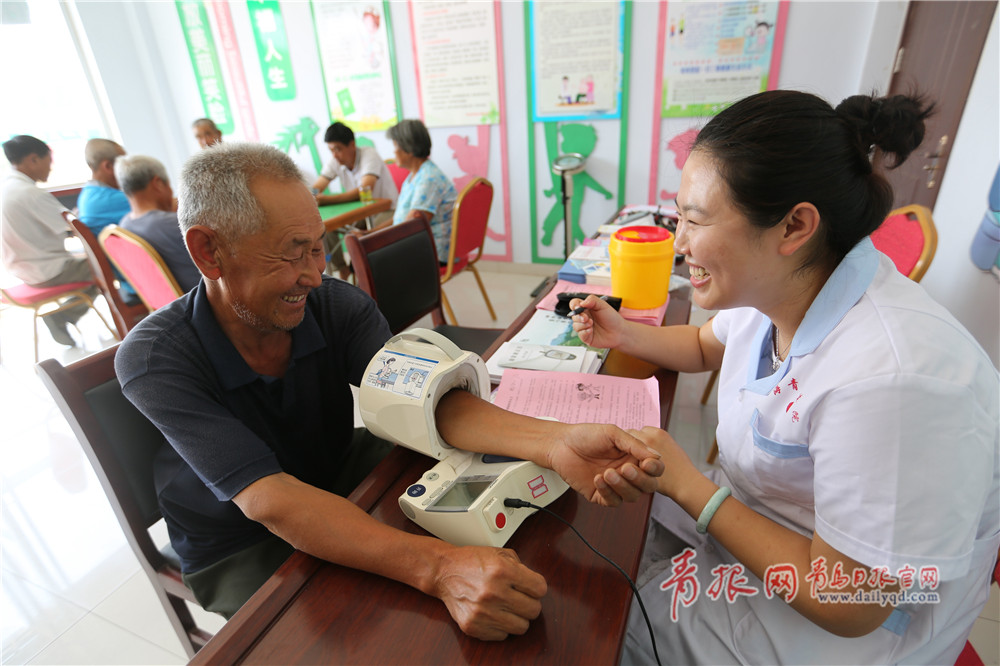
342	197
470	423
601	462
317	522
487	591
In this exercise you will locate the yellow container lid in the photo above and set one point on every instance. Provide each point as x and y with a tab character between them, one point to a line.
641	240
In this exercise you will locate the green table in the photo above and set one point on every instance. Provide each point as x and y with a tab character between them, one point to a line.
340	215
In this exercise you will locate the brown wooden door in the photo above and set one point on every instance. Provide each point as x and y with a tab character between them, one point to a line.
939	52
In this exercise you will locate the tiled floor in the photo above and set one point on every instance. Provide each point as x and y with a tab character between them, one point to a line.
73	593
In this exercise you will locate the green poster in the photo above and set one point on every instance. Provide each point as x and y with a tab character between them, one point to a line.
354	40
272	48
205	62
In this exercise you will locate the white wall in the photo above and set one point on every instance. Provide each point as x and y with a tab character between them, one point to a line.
825	47
832	48
135	77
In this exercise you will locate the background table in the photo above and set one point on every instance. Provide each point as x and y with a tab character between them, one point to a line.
311	611
340	215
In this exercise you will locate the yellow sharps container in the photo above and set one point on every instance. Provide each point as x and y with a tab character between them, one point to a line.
641	261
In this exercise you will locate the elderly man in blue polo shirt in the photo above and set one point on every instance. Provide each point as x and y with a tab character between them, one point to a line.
101	201
247	378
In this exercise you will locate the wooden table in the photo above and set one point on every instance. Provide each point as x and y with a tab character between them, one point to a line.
340	215
312	612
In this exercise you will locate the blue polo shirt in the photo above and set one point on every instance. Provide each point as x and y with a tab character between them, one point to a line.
227	426
101	205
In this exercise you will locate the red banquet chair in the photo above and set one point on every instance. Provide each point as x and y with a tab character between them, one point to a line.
36	298
398	173
126	316
909	238
468	234
141	265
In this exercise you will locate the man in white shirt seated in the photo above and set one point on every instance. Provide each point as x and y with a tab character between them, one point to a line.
356	167
34	231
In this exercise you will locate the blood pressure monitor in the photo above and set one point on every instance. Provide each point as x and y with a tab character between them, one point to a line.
461	498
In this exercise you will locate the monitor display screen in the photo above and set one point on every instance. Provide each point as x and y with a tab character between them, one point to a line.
461	495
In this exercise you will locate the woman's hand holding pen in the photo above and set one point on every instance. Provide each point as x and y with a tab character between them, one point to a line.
597	323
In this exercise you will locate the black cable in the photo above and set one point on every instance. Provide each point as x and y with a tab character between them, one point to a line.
521	504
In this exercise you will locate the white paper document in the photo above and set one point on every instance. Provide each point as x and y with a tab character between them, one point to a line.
551	358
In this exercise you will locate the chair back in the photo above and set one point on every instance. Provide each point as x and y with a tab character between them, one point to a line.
908	237
398	174
141	265
468	224
119	441
398	267
126	316
121	445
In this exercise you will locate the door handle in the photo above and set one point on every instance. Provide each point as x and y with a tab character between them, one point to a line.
933	167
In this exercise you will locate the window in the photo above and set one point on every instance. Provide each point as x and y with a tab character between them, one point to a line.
50	91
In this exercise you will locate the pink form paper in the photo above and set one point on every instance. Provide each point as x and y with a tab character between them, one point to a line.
572	397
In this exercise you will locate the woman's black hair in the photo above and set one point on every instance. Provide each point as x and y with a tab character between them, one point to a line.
779	148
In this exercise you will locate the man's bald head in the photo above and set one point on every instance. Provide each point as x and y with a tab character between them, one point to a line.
100	155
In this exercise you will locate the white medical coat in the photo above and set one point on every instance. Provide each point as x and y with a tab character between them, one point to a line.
879	432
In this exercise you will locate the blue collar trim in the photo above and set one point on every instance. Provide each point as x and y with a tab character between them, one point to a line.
897	622
843	289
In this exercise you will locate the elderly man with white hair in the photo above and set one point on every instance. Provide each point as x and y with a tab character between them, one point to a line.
144	181
248	378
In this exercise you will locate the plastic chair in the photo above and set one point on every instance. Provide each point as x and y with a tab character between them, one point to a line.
398	173
126	316
35	298
398	267
141	265
121	445
468	234
909	238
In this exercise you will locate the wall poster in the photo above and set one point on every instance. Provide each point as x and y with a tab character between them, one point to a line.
355	46
456	60
708	55
577	58
716	53
577	61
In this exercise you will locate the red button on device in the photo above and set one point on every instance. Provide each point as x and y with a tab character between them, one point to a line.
501	520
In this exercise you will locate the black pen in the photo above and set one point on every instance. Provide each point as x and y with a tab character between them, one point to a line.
580	309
